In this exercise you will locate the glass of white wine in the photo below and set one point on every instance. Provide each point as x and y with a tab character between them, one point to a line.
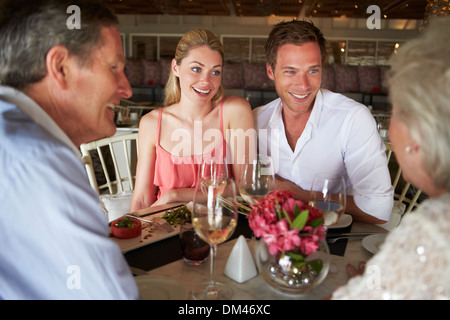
257	178
214	217
328	194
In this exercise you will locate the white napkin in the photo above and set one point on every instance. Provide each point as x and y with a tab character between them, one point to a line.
240	265
396	216
116	205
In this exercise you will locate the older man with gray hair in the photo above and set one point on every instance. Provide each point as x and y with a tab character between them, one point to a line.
56	83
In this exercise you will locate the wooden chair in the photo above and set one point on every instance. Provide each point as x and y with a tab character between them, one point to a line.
129	103
122	153
406	196
111	165
129	112
404	191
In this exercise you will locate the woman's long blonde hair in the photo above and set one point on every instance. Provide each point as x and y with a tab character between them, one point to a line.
192	39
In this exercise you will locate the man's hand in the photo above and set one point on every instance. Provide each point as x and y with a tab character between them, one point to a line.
284	184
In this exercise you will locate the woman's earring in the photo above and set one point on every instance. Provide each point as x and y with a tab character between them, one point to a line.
408	149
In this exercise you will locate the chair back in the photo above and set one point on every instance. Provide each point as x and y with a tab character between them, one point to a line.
130	113
404	192
113	160
405	195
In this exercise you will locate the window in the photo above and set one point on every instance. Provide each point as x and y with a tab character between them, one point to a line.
361	52
244	48
385	50
336	51
153	46
251	49
168	45
258	52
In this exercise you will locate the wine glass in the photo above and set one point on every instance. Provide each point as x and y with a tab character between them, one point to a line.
329	196
214	216
257	178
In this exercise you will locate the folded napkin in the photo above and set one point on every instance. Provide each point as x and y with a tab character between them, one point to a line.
116	205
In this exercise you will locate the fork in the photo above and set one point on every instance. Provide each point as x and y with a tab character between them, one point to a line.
333	240
163	225
348	236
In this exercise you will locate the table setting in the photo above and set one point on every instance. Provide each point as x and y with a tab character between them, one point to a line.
255	288
164	259
247	259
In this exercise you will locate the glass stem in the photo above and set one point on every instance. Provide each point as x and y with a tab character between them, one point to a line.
213	249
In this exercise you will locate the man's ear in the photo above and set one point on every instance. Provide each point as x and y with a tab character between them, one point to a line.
269	72
58	63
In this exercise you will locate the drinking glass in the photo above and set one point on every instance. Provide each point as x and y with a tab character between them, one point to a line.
194	249
214	216
257	178
329	196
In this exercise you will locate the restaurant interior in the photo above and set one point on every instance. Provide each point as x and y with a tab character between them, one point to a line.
358	36
360	41
361	36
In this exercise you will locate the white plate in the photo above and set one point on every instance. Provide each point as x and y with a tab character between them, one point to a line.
344	222
373	242
152	287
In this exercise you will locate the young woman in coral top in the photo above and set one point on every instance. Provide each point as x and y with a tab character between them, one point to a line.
197	121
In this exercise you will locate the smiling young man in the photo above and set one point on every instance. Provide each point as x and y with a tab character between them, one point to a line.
55	88
309	130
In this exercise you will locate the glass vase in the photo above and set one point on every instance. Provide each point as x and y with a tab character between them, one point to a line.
293	272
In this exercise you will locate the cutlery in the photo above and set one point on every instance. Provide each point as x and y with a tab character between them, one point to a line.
239	205
161	224
143	212
332	238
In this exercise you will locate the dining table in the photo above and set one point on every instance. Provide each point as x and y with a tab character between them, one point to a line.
163	259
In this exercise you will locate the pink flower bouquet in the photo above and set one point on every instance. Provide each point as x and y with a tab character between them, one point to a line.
286	225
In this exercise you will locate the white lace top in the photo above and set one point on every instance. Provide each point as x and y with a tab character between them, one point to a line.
413	262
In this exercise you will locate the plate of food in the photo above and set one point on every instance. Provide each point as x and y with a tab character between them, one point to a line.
131	233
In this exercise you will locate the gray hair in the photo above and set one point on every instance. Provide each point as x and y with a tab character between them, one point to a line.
29	29
419	83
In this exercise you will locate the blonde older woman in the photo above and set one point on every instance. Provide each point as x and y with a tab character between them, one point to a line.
414	262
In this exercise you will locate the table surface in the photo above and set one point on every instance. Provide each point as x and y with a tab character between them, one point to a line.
164	258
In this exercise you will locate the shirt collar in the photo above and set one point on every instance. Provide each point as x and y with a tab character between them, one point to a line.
276	118
314	118
35	112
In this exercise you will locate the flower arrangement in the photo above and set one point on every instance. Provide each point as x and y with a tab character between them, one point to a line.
288	226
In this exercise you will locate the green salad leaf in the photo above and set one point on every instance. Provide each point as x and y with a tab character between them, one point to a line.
176	216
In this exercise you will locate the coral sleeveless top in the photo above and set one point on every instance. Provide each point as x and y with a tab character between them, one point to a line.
181	171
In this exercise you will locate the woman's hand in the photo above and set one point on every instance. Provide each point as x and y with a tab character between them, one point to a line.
353	271
167	197
175	195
